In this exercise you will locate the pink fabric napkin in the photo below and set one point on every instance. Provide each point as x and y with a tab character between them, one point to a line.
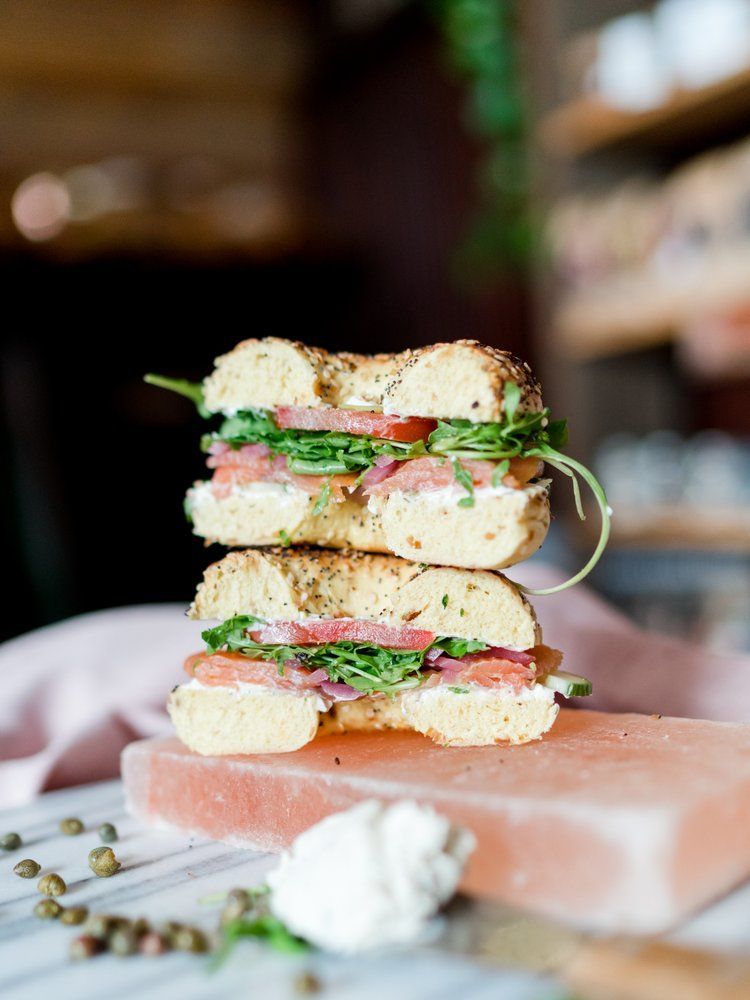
73	694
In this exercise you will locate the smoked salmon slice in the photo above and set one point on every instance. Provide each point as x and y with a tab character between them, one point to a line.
254	463
226	669
431	473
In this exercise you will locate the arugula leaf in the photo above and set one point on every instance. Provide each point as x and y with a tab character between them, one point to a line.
187	507
463	477
494	442
267	928
231	633
257	923
557	434
572	469
192	390
500	470
369	669
323	497
457	648
511	399
311	453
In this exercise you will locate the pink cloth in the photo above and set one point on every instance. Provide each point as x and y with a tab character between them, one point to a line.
75	693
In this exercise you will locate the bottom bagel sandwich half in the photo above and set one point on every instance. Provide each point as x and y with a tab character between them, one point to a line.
314	641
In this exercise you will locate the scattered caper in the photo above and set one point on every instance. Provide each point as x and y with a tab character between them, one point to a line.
51	885
107	833
71	826
122	941
236	906
190	939
152	944
74	915
48	909
306	983
141	926
100	924
102	862
85	946
27	868
10	842
170	929
239	896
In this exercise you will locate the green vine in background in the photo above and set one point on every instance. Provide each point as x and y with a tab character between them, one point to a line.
482	44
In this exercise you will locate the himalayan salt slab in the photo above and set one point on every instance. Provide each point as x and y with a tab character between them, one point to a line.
613	822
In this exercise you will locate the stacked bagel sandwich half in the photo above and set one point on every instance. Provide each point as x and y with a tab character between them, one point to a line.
416	477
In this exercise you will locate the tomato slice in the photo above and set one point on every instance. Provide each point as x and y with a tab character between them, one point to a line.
317	633
378	425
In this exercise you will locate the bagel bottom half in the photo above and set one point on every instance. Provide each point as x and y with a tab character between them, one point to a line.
217	721
501	529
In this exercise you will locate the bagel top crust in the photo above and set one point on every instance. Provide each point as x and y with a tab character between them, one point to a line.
459	380
299	583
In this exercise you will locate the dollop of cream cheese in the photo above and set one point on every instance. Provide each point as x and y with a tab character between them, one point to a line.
369	877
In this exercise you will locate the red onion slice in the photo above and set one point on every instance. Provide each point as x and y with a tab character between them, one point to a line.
340	692
220	453
501	653
444	662
219	448
383	468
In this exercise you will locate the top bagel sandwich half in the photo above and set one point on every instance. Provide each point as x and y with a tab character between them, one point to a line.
435	454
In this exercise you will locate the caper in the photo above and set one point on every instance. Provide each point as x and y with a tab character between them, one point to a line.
85	946
107	833
10	842
236	906
100	924
71	826
73	915
102	862
51	885
153	944
141	926
190	939
27	868
122	941
48	909
170	929
239	896
306	983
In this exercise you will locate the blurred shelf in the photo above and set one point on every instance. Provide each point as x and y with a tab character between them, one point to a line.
588	124
719	529
277	232
614	320
643	310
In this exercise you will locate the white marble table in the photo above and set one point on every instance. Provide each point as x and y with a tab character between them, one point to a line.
165	875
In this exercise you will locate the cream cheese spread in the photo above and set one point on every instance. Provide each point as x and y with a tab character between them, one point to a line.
369	877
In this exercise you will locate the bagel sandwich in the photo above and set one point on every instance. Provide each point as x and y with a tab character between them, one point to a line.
435	454
315	641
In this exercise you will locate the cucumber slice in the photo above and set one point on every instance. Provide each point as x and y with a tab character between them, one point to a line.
569	685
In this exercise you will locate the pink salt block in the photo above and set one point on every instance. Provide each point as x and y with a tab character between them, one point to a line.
614	822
